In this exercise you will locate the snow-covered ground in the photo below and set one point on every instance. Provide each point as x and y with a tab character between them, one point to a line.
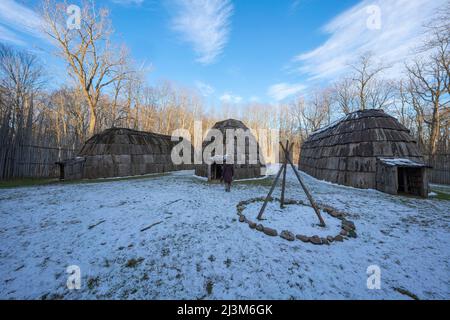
196	248
297	219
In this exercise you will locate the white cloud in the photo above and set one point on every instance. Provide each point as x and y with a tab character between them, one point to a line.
19	19
205	24
9	36
281	91
205	89
128	2
400	33
230	98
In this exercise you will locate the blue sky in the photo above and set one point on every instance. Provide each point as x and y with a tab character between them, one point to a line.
243	50
263	37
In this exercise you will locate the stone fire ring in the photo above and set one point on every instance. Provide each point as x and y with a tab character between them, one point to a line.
348	229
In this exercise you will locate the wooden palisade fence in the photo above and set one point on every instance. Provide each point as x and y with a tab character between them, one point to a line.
440	171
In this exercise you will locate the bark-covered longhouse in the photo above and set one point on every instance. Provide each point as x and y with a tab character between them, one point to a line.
366	149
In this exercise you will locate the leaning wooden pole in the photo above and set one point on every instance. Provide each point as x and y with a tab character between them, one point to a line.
269	195
308	194
283	183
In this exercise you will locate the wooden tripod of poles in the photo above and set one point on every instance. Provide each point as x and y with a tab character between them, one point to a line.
287	159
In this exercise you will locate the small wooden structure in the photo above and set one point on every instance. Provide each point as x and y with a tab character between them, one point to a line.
246	169
287	159
401	176
366	149
71	169
120	152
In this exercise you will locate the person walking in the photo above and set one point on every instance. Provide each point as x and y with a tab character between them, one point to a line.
227	176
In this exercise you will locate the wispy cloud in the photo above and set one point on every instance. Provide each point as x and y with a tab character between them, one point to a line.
400	32
19	19
295	4
205	89
128	2
9	36
281	91
205	24
230	98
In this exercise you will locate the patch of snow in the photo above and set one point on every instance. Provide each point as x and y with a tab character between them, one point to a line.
351	116
254	179
238	180
298	219
272	169
332	124
192	238
219	158
401	162
200	178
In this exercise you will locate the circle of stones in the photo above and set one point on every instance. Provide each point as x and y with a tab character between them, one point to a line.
348	229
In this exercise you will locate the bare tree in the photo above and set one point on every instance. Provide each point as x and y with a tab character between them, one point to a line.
344	93
380	94
438	39
365	71
313	113
402	104
430	76
21	76
91	59
428	81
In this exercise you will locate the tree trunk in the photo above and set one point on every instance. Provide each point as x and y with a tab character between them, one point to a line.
435	129
92	119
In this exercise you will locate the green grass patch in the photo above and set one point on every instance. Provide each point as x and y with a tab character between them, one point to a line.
26	182
103	180
441	195
265	182
30	182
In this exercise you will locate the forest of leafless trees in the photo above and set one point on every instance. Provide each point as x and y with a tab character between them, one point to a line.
40	124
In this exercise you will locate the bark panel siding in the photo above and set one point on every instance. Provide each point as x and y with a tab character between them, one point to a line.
119	152
346	152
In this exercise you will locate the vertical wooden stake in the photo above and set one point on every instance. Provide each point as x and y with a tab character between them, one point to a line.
283	183
270	194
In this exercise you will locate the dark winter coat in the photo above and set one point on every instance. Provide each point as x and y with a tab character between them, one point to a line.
228	173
